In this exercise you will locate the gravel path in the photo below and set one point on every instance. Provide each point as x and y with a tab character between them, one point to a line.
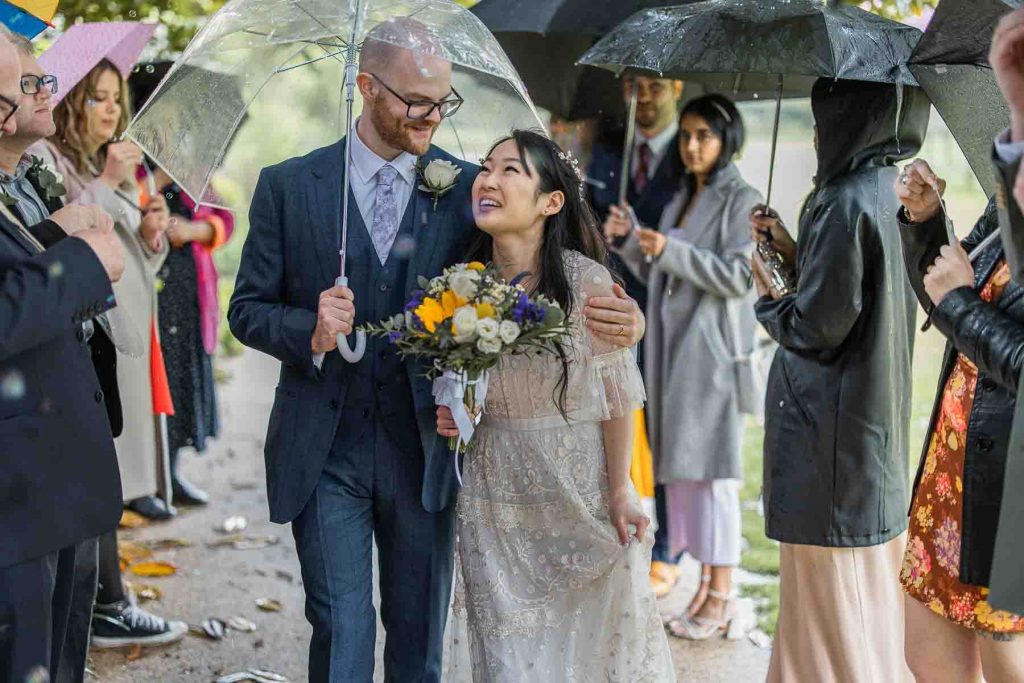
224	582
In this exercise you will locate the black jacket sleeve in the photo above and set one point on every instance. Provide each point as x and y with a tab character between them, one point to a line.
48	294
48	233
822	312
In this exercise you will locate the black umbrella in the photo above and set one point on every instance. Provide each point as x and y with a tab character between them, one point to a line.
745	46
544	38
951	64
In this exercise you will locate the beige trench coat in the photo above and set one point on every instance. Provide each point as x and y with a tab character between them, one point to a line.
140	456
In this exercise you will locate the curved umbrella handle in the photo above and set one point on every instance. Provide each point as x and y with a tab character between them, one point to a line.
352	355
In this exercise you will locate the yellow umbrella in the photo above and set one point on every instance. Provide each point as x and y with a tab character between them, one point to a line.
28	17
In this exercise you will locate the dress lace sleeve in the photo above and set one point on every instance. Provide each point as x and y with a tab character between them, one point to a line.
614	387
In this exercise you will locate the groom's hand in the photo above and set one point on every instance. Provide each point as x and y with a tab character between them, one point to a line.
615	319
334	315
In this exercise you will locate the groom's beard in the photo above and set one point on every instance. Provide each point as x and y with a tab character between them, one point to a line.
395	131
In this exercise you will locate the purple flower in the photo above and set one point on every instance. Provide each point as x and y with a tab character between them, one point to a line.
394	337
947	546
416	300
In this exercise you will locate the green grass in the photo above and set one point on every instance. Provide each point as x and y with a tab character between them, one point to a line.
766	602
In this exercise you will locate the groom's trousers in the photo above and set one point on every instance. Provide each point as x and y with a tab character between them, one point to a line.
371	489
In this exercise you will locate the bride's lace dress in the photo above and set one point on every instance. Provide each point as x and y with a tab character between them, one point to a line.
547	592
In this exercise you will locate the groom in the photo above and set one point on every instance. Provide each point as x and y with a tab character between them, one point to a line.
352	451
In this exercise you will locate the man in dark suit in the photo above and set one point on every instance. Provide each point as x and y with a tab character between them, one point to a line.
352	450
59	482
656	171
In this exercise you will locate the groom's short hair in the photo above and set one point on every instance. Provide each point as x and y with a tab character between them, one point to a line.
384	41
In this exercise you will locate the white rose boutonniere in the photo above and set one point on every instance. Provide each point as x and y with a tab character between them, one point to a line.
438	178
48	178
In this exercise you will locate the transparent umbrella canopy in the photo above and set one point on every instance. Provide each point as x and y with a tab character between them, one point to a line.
280	74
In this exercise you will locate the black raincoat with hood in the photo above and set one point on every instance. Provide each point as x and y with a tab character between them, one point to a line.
838	399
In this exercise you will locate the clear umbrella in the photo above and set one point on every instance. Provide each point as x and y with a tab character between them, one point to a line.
277	77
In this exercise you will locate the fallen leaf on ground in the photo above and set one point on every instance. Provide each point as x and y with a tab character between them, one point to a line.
153	569
268	604
214	628
244	485
255	543
241	624
145	592
136	653
257	675
286	576
760	638
131	553
132	520
168	543
225	540
233	524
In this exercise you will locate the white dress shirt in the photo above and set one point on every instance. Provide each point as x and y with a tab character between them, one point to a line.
365	166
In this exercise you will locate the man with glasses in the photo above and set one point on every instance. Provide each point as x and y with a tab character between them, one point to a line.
352	450
59	483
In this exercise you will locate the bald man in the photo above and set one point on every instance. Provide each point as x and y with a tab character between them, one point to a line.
352	450
59	482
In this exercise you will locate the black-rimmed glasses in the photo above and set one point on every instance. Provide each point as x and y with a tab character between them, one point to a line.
8	108
32	84
417	110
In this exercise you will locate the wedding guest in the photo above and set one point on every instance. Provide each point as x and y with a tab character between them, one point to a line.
953	633
655	173
189	309
1007	578
700	305
87	117
58	471
838	404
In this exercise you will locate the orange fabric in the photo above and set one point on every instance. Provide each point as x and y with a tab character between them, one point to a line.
931	563
162	403
641	468
220	232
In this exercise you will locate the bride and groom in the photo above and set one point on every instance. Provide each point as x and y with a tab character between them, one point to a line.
555	584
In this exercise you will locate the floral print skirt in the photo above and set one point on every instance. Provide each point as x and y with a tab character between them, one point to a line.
931	563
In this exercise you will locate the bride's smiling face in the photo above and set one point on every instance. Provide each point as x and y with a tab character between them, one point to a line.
507	196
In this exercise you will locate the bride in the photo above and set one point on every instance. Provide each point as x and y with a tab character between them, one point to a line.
554	549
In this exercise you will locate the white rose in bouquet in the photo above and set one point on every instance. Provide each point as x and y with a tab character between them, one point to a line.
464	283
487	328
508	331
464	324
489	345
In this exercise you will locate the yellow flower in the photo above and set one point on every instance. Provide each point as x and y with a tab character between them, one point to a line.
997	620
959	485
485	311
450	302
430	313
924	516
477	266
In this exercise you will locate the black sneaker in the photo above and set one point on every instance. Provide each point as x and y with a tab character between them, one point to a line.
124	624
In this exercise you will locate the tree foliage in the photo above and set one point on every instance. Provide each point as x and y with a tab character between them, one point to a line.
180	19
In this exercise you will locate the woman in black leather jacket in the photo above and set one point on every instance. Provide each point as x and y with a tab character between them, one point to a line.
959	483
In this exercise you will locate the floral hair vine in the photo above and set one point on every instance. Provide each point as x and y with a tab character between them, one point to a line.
574	164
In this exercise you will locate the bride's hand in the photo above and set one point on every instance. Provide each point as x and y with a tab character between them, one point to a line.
623	512
445	422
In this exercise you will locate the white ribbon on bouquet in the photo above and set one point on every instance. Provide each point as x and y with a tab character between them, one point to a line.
450	390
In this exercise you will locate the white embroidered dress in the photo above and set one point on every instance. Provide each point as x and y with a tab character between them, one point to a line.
549	593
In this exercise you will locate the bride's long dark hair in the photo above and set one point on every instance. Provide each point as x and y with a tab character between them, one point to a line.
574	228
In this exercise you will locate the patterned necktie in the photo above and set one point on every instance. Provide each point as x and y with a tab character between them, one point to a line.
643	167
385	213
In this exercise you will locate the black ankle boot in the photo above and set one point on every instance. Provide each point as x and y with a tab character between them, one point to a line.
150	507
187	493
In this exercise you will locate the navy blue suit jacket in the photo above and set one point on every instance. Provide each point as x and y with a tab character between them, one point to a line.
59	481
291	256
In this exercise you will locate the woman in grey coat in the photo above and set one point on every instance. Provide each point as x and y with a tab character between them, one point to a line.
700	323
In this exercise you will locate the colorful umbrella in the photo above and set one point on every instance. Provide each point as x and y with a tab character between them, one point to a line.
27	17
79	49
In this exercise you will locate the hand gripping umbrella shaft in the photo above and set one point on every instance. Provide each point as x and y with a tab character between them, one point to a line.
352	355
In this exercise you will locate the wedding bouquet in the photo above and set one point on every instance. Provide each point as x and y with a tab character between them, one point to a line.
462	322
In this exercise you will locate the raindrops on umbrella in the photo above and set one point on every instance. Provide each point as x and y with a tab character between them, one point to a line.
12	386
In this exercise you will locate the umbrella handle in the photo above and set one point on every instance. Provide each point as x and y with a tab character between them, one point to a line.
352	355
